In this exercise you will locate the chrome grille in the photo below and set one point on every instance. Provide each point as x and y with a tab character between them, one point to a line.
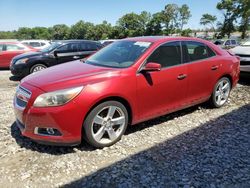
22	97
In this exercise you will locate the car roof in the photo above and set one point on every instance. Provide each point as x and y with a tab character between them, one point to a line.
70	41
160	39
11	42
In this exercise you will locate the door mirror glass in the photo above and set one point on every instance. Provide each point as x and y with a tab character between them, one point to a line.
151	66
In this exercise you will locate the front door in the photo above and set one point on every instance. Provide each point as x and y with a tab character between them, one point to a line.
163	91
66	53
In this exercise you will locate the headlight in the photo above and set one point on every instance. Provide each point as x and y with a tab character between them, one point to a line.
21	61
57	98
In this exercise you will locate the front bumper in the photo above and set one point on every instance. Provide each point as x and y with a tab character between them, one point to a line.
20	70
66	119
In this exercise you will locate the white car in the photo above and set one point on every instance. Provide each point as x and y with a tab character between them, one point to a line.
244	52
37	44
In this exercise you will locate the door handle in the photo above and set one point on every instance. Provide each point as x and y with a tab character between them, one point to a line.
215	67
76	57
181	76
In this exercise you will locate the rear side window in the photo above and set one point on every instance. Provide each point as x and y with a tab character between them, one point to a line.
197	51
167	55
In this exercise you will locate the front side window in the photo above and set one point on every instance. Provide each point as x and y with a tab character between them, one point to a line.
167	55
71	47
1	47
119	54
35	44
227	42
13	47
233	42
197	51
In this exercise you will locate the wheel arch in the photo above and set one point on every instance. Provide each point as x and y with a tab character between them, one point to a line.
118	99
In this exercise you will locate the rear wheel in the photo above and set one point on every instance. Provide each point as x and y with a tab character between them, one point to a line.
37	67
221	92
106	124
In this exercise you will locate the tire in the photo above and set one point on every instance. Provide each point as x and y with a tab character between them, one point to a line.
221	92
105	124
37	67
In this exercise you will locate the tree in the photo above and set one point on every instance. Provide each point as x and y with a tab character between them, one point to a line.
81	30
208	20
228	8
134	24
154	26
60	32
243	11
184	15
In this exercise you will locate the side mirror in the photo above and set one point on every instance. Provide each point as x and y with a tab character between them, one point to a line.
151	66
55	53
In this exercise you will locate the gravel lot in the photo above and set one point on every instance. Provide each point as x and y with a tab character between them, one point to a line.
196	147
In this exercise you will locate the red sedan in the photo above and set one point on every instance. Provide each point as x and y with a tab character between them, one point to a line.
8	50
127	82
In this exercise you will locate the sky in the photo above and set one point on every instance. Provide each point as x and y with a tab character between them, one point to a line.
32	13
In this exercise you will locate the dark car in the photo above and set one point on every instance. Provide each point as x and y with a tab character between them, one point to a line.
57	53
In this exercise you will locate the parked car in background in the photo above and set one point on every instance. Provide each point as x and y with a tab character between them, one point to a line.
227	44
107	42
57	53
127	82
37	44
8	50
244	52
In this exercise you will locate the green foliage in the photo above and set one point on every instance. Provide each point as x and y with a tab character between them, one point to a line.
208	20
186	32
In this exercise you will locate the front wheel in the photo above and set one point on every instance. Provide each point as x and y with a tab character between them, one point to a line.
106	124
37	67
221	92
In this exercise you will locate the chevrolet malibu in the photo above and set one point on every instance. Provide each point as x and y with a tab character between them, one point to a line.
127	82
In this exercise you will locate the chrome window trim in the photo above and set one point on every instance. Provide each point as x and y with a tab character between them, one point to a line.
182	63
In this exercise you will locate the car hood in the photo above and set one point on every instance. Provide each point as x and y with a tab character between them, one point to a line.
28	55
244	50
68	75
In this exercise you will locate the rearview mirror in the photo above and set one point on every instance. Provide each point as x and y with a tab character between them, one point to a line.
151	66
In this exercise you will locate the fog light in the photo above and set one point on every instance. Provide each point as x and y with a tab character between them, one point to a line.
47	131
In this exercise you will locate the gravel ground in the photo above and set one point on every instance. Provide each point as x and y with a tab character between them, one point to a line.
196	147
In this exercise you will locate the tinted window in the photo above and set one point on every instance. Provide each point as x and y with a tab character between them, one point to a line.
227	42
1	47
233	42
35	44
42	43
13	47
167	55
196	51
72	47
210	52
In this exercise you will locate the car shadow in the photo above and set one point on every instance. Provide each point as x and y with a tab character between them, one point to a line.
215	154
29	144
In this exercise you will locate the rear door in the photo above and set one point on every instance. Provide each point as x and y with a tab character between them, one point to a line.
67	52
202	68
162	91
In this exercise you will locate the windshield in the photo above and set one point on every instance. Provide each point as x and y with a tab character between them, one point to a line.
119	54
51	47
